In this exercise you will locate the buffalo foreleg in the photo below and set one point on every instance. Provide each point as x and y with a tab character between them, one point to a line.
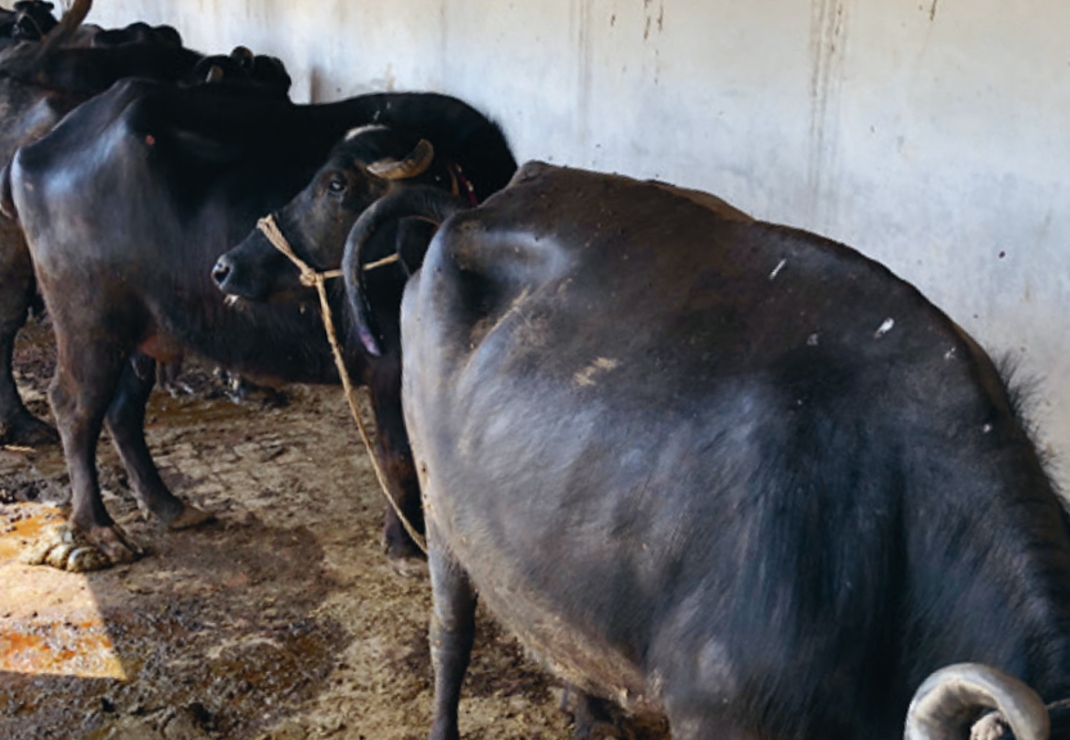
17	425
126	423
452	632
81	390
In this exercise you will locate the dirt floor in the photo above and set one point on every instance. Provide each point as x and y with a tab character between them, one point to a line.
281	620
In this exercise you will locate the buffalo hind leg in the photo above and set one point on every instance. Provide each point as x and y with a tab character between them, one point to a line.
395	457
17	425
452	633
404	489
81	391
126	424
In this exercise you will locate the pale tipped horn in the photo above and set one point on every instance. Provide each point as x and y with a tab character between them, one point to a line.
215	74
948	702
416	163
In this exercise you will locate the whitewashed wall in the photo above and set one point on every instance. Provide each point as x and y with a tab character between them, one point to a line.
933	135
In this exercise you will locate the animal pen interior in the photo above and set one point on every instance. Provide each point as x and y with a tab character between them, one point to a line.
929	136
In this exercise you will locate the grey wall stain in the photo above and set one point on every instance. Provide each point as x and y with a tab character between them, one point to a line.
651	19
443	42
654	21
583	12
828	47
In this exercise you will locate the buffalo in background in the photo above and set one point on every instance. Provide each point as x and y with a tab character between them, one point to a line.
41	80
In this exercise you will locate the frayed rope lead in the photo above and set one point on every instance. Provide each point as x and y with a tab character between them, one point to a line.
311	278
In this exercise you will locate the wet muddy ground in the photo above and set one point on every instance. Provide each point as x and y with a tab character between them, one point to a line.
280	620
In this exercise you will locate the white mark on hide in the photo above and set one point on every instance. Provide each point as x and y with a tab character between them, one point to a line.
811	341
986	429
777	269
585	377
949	354
231	301
884	328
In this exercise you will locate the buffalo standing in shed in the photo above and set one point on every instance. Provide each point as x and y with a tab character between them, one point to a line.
314	225
126	206
716	468
40	82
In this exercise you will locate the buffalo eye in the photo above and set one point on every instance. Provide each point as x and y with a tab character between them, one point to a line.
337	184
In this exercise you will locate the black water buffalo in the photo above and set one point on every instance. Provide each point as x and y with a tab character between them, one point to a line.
315	223
40	84
126	206
713	467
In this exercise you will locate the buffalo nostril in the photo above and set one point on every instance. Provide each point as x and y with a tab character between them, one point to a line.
221	271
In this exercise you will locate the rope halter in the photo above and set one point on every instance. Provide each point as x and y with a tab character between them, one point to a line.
314	279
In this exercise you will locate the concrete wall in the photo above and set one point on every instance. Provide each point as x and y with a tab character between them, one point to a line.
930	134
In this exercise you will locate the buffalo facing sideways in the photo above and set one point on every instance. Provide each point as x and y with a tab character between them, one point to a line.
464	160
127	204
713	467
43	80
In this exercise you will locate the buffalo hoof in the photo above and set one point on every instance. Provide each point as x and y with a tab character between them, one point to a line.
114	544
189	517
594	718
399	546
178	389
410	567
66	547
26	430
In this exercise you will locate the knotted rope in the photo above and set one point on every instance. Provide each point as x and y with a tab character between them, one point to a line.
313	279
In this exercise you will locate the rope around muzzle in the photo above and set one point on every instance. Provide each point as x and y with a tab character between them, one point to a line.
312	279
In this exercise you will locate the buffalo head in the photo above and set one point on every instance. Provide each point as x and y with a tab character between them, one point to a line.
359	171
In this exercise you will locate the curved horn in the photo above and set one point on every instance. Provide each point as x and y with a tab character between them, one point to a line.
948	702
68	24
416	163
361	130
215	74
